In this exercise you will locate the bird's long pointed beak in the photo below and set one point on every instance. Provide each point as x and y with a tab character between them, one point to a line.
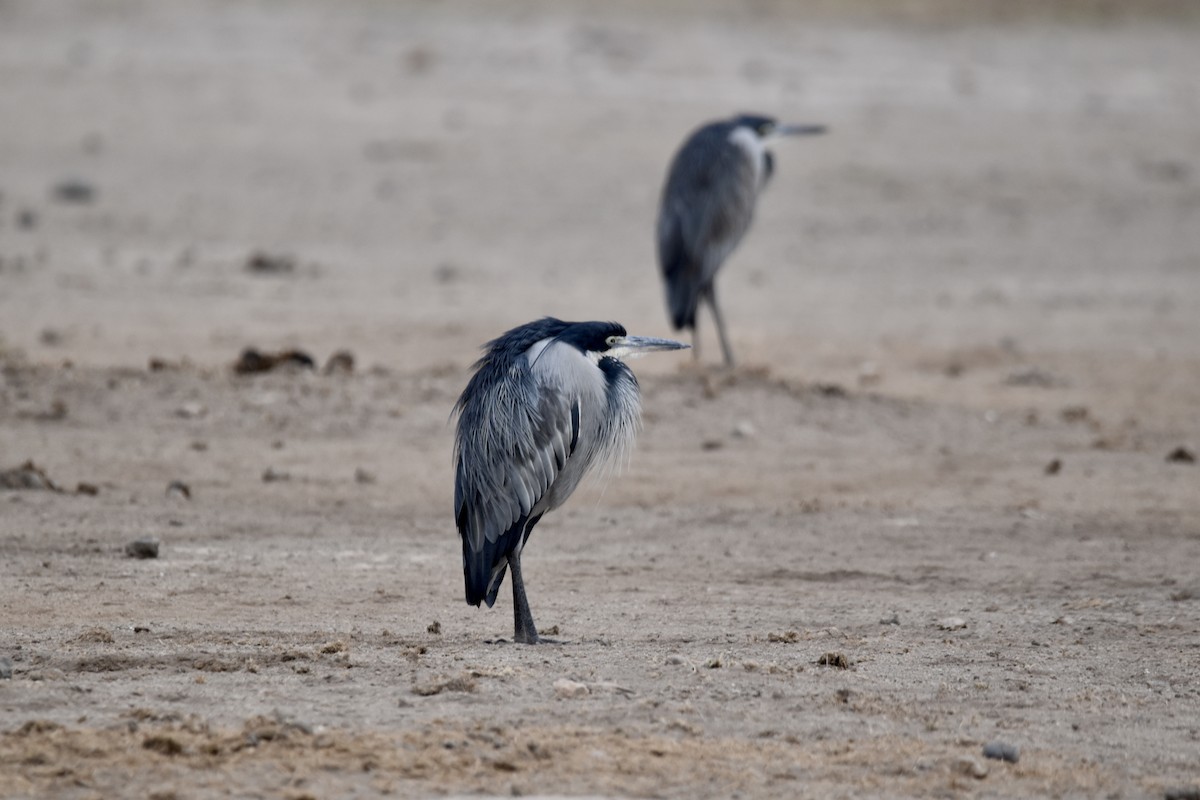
634	346
800	130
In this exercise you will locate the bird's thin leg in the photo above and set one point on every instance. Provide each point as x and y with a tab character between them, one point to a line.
696	339
710	294
524	631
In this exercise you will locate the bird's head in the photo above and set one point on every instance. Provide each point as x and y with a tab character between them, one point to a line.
768	129
598	340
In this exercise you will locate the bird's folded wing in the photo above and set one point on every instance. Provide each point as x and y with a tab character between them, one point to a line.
519	452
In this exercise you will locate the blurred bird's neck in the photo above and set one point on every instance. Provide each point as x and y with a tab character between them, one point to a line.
755	149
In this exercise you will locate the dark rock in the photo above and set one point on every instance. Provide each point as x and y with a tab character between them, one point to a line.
74	191
1002	751
142	548
270	264
253	361
1181	455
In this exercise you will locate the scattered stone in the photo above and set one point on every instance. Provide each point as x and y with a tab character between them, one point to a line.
179	489
894	619
1183	793
830	390
253	361
27	476
272	475
832	659
47	674
712	444
460	683
1181	455
362	476
1002	751
787	637
716	662
569	689
952	624
140	629
261	263
163	744
1033	376
191	410
744	430
5	668
74	191
869	373
435	628
340	363
970	767
1183	594
89	489
1075	414
1054	467
337	646
142	548
96	635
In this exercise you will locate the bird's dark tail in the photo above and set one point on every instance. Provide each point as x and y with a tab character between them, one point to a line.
681	277
484	569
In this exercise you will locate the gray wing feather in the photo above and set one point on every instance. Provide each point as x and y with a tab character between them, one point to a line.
510	456
708	203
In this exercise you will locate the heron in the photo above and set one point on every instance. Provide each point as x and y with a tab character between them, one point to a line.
548	402
707	205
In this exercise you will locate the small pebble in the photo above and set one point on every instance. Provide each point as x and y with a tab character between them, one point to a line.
5	668
179	489
340	363
952	624
142	548
191	410
271	475
1181	455
969	766
833	659
1182	793
74	191
1002	751
569	689
744	430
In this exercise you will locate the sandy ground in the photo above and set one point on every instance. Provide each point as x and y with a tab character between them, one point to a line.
970	342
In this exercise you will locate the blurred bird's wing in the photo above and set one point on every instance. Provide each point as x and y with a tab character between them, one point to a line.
707	206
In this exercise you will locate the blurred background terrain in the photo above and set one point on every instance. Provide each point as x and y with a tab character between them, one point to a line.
968	325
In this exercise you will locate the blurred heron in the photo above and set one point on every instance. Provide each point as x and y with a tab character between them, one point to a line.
548	401
707	205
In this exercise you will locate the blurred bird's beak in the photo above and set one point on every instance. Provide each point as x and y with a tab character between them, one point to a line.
634	346
799	130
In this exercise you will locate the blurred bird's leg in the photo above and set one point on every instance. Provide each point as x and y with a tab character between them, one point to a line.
695	338
710	294
524	631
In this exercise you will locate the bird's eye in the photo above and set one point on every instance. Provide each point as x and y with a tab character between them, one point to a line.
611	341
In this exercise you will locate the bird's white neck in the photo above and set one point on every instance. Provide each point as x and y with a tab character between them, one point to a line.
754	148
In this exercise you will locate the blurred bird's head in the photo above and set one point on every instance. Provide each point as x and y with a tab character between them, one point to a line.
767	129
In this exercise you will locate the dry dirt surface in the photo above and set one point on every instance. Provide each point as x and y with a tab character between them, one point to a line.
949	498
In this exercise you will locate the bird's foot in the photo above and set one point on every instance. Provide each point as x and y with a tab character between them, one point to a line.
537	640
